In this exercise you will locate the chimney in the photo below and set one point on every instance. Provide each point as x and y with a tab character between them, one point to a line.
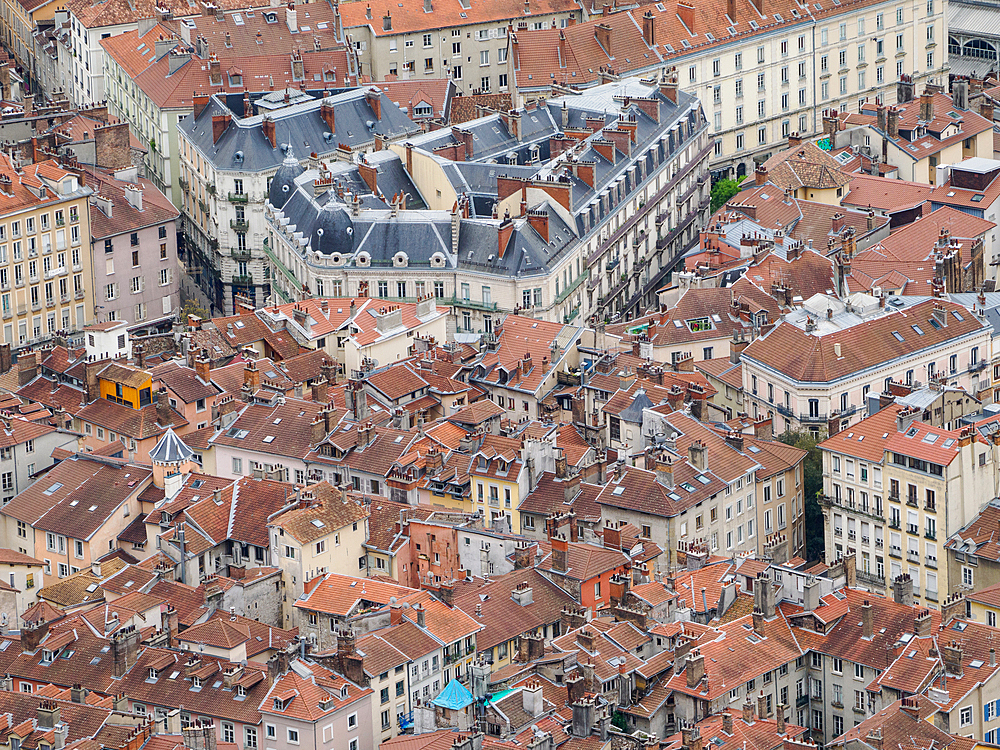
327	113
922	623
203	367
902	590
695	669
748	716
698	456
649	28
867	621
199	102
685	12
760	175
927	106
560	550
727	723
291	18
762	705
780	718
758	622
602	32
267	127
892	119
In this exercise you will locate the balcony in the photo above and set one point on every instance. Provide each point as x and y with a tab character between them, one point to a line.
802	700
812	418
977	366
240	254
894	497
242	280
912	528
930	561
239	225
473	304
239	198
911	500
80	294
183	183
912	556
572	287
870	578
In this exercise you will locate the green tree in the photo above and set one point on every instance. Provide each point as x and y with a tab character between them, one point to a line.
812	486
722	191
191	307
618	721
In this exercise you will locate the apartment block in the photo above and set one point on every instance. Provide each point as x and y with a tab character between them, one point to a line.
895	489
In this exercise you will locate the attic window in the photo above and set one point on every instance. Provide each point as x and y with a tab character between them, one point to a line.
977	197
958	316
317	523
54	488
235	79
269	439
912	432
896	335
687	486
918	329
619	490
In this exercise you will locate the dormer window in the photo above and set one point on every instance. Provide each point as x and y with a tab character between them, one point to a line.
343	691
279	705
482	463
196	682
241	692
48	656
235	79
153	673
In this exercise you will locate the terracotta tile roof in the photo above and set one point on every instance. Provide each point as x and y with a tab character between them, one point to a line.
585	561
437	93
385	532
447	624
760	734
341	595
868	438
503	618
805	165
313	697
306	366
326	514
916	240
187	600
380	655
156	208
724	370
184	382
408	639
549	496
712	578
293	425
397	381
885	194
809	358
738	655
899	727
77	496
139	424
82	720
172	687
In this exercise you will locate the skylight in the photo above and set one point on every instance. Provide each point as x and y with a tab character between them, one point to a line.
317	523
619	490
930	438
918	329
897	335
269	439
54	488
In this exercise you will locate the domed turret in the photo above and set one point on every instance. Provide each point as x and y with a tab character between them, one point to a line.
283	182
334	231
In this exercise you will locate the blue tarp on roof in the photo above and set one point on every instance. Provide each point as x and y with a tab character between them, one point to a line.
455	696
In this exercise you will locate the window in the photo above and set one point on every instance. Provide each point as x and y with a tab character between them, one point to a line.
965	716
237	465
293	736
967	579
